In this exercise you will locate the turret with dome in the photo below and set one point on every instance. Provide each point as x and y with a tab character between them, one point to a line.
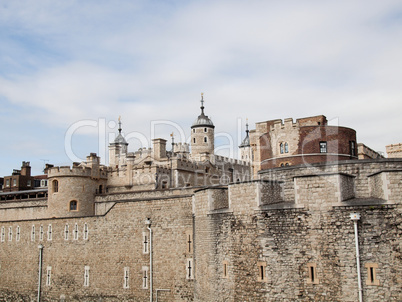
202	136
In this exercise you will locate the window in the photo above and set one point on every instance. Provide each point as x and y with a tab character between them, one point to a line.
76	232
73	205
14	182
312	273
100	189
262	276
17	235
194	140
10	234
28	183
55	185
41	233
371	274
323	147
193	130
286	148
126	278
282	164
85	231
145	277
33	233
189	269
145	243
49	232
3	234
205	129
189	242
281	148
66	232
86	276
48	275
225	269
205	139
352	145
7	183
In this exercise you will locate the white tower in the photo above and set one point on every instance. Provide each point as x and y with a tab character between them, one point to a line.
202	136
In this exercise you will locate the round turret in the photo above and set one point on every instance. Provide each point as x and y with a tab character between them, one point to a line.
202	134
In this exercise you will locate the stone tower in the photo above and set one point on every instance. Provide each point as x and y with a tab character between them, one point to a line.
118	150
202	136
246	153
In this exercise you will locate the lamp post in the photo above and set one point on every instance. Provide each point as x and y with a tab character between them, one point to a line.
148	224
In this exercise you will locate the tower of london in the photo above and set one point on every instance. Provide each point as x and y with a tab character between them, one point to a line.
300	216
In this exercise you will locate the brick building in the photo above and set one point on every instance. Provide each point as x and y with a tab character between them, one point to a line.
160	225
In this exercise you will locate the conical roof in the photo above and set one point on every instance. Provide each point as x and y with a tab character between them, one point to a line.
203	120
246	140
120	139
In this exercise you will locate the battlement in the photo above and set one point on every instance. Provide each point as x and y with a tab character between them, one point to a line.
220	158
181	148
288	123
75	171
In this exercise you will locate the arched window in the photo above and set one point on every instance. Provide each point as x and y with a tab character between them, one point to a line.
281	147
194	140
73	205
205	129
205	139
55	185
100	189
286	148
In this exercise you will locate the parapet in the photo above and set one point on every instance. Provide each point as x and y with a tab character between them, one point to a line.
74	171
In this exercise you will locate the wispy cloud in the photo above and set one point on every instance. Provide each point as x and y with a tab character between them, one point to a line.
146	60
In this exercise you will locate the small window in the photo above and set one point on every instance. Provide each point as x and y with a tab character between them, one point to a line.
145	277
371	274
86	231
48	275
312	273
126	281
225	269
194	140
352	145
86	276
193	130
10	234
73	205
100	189
205	129
282	164
286	148
287	164
3	234
145	243
41	233
281	148
14	182
262	276
49	232
7	183
323	147
28	183
66	232
76	232
55	185
33	233
189	269
205	139
189	242
17	235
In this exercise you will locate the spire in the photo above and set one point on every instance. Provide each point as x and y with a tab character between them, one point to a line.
119	124
246	140
203	120
202	103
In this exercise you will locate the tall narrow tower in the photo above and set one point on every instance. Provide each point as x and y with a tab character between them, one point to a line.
202	136
118	150
245	148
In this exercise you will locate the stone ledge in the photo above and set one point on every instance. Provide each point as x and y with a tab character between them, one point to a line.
220	211
280	206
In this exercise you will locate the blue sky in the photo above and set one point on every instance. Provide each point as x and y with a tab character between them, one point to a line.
80	64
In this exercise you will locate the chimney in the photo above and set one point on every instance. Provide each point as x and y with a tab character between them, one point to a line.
25	169
159	148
